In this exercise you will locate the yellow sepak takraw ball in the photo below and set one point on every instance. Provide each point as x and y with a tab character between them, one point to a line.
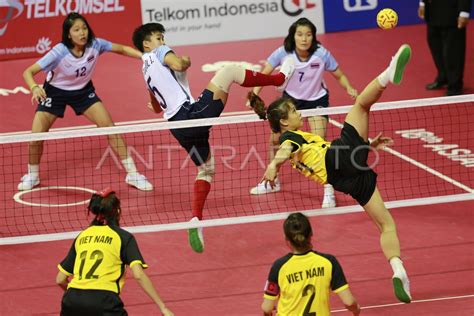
387	19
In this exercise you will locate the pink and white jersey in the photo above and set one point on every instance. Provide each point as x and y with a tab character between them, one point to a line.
171	89
68	72
307	82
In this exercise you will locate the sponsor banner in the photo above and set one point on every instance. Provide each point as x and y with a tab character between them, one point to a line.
202	21
342	15
30	28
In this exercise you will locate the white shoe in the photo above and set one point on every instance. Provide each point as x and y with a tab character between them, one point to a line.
263	188
329	200
196	237
398	63
28	182
287	68
138	181
401	287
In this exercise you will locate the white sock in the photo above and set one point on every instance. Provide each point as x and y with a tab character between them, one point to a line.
34	170
328	189
384	78
129	165
397	266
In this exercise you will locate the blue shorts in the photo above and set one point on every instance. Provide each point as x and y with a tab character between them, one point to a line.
196	139
322	102
57	99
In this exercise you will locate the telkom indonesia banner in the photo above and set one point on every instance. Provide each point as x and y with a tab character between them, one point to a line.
30	28
198	21
342	15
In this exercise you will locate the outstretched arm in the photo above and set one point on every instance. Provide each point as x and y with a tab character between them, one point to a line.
147	286
126	51
344	82
282	155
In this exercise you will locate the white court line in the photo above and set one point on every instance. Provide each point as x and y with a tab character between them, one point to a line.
242	219
412	302
418	164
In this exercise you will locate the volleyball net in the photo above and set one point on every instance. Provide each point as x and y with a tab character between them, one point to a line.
431	161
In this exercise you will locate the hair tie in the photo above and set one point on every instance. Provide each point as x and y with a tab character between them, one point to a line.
105	192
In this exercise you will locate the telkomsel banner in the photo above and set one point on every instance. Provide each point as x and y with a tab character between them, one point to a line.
198	21
30	28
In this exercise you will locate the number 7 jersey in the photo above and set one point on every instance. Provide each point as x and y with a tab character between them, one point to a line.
98	257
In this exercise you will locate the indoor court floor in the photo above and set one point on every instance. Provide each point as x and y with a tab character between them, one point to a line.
228	278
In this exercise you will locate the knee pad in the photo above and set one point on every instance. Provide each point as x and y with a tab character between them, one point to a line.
206	171
228	74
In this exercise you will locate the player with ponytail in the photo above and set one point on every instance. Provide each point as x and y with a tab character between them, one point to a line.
301	280
96	262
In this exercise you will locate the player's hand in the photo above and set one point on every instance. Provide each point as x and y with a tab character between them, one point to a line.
380	141
462	22
421	12
152	108
270	176
352	92
38	95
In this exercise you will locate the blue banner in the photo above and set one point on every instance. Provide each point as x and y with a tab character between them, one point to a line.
342	15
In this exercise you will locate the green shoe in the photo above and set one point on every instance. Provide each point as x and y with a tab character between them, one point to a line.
196	238
398	63
402	291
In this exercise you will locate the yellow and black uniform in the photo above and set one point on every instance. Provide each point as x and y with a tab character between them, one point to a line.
97	260
302	283
341	163
307	155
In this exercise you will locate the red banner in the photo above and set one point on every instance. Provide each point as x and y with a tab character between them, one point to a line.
30	28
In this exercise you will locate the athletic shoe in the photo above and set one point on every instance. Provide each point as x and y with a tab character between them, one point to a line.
196	237
28	182
287	68
264	188
138	181
401	286
398	63
329	200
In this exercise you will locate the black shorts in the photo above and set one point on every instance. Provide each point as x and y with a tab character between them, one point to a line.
322	102
196	139
77	302
346	165
57	99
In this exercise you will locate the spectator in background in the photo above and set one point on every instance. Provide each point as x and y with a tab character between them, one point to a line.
447	21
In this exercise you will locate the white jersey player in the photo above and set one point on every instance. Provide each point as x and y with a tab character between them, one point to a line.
169	92
70	66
